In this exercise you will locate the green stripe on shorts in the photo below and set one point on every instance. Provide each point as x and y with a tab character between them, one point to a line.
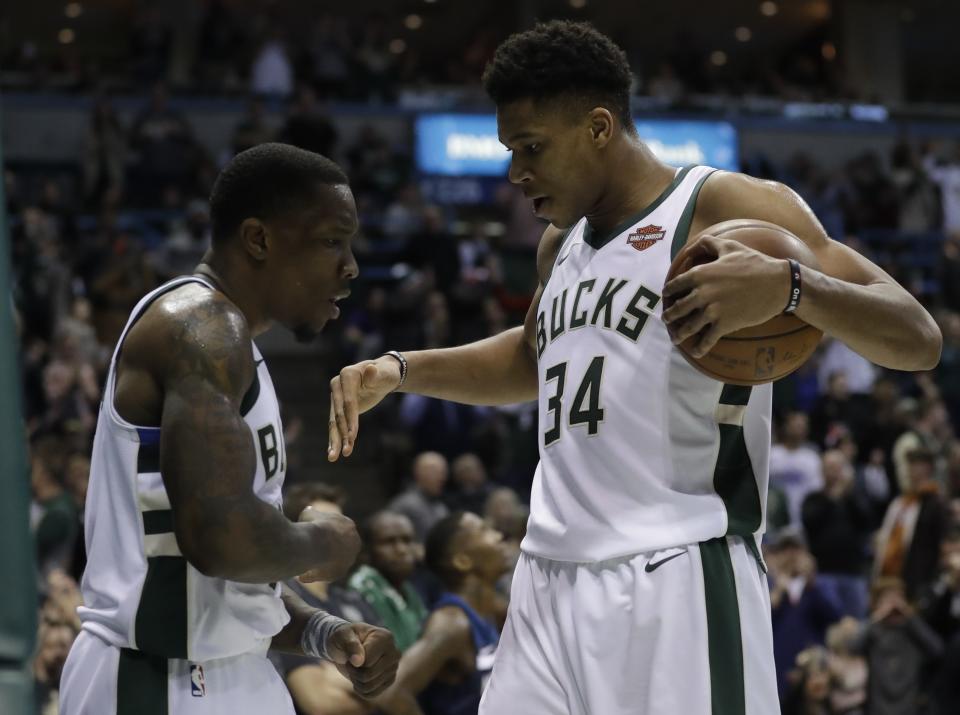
723	629
141	684
161	622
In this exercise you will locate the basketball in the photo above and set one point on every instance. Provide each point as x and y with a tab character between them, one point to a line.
760	353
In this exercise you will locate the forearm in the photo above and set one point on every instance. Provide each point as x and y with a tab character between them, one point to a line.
499	370
252	542
288	639
881	322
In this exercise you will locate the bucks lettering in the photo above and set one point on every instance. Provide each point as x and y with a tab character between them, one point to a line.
591	303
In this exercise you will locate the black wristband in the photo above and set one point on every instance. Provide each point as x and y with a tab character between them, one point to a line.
403	366
794	299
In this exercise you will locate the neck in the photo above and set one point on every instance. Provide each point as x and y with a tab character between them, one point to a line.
634	182
222	271
480	595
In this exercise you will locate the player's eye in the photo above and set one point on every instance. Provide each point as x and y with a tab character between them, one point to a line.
533	148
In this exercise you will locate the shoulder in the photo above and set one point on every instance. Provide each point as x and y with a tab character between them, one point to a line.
727	195
547	250
450	625
193	332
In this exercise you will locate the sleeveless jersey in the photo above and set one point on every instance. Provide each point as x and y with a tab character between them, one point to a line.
638	450
463	698
138	589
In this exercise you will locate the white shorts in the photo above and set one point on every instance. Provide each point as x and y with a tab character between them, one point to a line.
101	679
682	631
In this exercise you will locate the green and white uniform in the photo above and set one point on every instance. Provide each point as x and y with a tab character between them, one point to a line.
642	458
156	630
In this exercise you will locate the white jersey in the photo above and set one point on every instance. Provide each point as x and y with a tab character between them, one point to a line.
138	589
638	450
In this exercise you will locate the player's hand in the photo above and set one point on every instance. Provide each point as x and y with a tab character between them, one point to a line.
742	287
345	542
354	391
366	655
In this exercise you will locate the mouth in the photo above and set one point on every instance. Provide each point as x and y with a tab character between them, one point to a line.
333	302
538	203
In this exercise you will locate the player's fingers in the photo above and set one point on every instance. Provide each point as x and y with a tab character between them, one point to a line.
334	441
344	646
376	683
336	398
683	307
691	325
708	339
686	281
352	381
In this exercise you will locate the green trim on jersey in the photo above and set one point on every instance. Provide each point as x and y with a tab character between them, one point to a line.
161	622
141	684
686	218
599	241
727	689
733	476
252	394
563	240
157	521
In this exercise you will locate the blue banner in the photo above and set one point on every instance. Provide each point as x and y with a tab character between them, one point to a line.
467	144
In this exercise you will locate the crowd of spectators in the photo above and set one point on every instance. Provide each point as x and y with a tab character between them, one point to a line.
863	549
218	47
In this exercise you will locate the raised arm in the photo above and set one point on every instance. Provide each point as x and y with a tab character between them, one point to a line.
498	370
208	462
849	298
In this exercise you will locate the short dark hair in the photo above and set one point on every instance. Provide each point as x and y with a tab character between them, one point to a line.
265	182
561	59
438	547
299	496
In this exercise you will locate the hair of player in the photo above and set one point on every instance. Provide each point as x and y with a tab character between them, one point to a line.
299	496
562	60
438	547
265	182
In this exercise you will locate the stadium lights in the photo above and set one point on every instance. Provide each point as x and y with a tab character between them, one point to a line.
413	22
769	8
578	4
398	46
66	36
743	34
73	10
718	57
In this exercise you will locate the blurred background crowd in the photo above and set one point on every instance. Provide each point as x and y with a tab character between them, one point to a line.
863	521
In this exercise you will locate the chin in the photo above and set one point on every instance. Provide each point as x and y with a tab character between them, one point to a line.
306	334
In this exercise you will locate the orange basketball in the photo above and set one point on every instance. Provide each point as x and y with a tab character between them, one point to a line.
761	353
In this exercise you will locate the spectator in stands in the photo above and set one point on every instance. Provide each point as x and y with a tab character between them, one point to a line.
53	644
104	155
422	502
188	241
795	464
838	522
809	690
837	406
252	129
272	72
801	608
68	401
505	513
838	358
947	373
166	155
390	552
447	667
927	432
944	170
440	425
471	488
897	644
908	545
54	517
316	684
919	203
848	668
307	125
939	603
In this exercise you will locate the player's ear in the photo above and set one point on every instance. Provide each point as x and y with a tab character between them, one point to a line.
601	126
254	238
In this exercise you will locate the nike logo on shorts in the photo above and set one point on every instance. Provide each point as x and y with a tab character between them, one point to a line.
652	566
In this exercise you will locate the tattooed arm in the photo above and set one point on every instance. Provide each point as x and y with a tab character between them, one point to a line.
208	458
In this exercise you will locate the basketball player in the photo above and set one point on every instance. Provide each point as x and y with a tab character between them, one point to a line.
640	588
185	538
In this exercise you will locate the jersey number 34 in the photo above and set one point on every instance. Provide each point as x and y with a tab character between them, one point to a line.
585	410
